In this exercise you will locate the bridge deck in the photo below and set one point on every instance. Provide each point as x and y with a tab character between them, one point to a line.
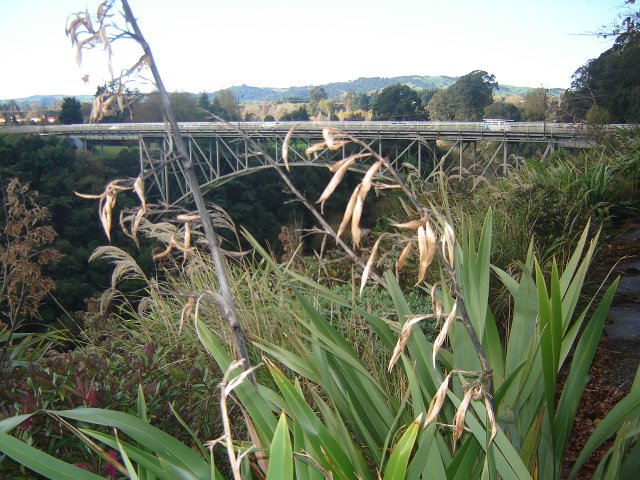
562	134
219	151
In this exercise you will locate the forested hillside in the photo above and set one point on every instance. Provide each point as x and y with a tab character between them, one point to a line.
54	169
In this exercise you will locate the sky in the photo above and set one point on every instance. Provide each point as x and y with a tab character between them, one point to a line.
207	45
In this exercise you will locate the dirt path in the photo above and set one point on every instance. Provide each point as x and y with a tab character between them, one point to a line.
618	354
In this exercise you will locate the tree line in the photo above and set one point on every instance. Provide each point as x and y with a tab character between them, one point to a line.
604	90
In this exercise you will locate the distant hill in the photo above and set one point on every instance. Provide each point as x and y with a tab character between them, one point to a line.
45	101
367	85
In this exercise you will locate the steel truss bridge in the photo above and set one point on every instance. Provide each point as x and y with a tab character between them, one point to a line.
223	151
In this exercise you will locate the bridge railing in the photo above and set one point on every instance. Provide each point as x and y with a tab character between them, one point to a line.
538	129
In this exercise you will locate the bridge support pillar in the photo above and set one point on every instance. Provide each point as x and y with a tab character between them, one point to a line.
551	148
505	158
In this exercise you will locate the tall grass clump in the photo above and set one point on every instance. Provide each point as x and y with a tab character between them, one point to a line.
550	200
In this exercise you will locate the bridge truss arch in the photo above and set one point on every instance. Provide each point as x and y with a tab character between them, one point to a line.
218	160
220	151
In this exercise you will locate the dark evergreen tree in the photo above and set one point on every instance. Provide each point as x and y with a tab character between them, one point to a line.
464	100
54	168
398	102
611	82
316	94
203	102
502	109
71	112
299	115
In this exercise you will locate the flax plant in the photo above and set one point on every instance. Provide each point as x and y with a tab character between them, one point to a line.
517	431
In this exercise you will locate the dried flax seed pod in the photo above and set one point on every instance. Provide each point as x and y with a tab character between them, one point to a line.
443	333
182	247
327	134
427	244
437	305
403	338
403	256
431	242
187	236
285	147
423	251
336	166
438	401
164	253
348	211
186	313
188	217
106	213
492	418
334	182
138	187
458	420
369	265
448	243
315	148
365	186
332	143
356	232
410	225
136	226
337	145
368	178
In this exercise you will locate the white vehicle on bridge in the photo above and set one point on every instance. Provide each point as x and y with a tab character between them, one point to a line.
496	124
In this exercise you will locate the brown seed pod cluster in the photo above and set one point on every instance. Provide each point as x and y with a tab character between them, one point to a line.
353	211
339	170
107	201
427	241
185	247
85	34
87	31
472	392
